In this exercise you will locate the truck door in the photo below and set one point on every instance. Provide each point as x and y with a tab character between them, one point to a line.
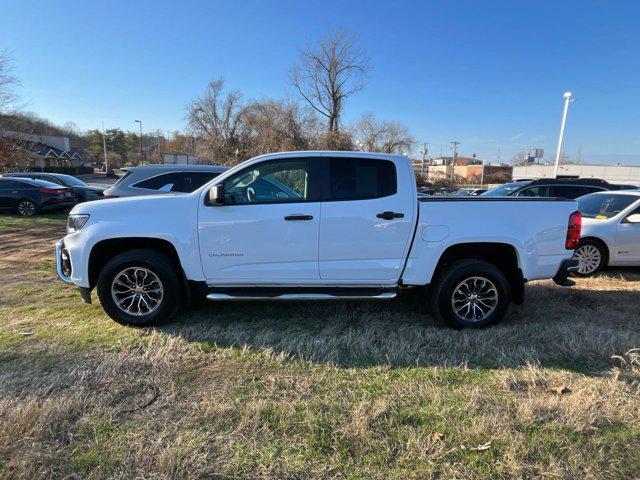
267	230
367	219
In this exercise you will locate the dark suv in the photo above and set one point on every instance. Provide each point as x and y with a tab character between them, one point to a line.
555	187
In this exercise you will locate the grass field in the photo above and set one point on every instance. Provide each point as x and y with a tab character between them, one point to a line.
317	390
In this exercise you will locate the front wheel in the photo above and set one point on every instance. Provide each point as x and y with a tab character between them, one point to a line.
471	294
140	288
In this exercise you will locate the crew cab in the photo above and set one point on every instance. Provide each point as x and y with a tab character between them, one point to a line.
315	226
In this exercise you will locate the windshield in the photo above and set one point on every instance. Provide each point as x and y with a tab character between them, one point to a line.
70	181
604	206
504	190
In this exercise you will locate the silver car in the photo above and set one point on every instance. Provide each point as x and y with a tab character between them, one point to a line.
155	179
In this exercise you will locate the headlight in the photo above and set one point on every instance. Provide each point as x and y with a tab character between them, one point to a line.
76	222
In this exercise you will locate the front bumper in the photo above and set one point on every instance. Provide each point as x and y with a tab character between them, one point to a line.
64	269
567	267
63	262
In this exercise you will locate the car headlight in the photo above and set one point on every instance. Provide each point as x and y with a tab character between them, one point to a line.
76	222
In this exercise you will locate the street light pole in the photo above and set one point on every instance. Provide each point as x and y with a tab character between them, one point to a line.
104	146
141	154
567	101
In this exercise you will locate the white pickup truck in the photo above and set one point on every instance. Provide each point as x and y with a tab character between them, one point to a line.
315	226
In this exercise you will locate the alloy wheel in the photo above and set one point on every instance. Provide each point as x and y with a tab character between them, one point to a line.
26	208
137	291
474	299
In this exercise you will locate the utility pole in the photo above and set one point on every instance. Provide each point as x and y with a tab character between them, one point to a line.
567	101
104	146
580	153
141	153
425	158
482	174
453	159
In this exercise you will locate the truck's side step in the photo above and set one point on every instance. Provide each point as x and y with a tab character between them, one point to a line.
299	293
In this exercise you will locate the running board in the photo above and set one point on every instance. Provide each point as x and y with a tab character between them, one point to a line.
302	296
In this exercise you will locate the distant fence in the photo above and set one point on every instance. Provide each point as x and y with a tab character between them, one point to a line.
67	170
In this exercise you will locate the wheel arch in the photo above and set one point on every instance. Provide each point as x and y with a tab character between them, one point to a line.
105	250
503	256
605	247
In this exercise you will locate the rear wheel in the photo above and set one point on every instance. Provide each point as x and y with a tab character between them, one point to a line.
140	288
471	294
592	257
26	208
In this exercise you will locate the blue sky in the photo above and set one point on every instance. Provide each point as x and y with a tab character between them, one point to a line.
488	74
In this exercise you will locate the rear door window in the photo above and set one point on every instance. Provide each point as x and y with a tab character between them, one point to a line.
159	181
8	185
567	191
183	182
187	182
360	178
537	191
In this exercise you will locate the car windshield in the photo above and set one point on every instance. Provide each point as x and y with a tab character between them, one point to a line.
503	190
598	205
70	181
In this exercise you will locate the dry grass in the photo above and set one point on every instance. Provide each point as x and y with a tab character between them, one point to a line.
333	390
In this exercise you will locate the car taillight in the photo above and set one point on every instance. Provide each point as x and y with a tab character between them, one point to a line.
54	191
573	231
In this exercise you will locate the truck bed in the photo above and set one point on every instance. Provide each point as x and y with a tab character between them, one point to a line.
536	228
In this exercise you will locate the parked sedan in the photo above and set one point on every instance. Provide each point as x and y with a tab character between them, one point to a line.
82	191
27	197
155	179
610	231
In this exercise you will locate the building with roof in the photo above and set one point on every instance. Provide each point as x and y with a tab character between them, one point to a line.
469	170
45	150
628	175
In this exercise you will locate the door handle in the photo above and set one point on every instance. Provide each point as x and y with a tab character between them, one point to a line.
390	215
298	217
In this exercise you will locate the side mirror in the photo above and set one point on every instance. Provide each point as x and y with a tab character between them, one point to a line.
216	196
166	188
633	218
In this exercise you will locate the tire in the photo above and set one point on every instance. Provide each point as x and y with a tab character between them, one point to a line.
138	268
26	208
593	257
482	286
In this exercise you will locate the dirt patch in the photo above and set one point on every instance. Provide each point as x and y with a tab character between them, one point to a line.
22	247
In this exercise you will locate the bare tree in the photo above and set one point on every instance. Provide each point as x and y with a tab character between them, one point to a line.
275	125
383	136
330	72
519	159
8	82
216	119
